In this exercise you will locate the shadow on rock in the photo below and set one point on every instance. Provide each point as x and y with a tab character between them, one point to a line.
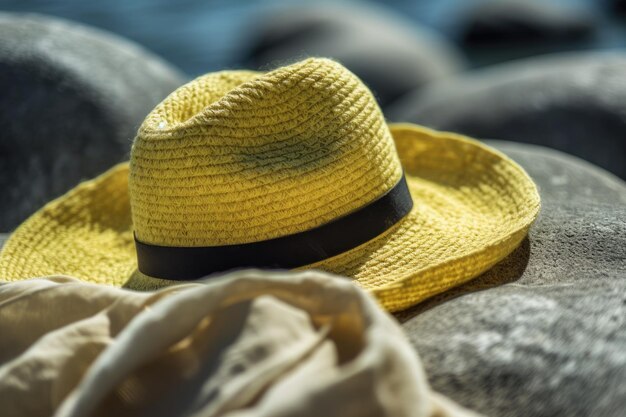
510	269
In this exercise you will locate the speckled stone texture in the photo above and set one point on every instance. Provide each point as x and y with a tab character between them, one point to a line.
572	102
391	55
72	100
544	332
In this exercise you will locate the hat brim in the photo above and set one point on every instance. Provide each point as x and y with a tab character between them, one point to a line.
472	207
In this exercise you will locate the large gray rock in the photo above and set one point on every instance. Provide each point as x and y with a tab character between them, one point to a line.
391	55
572	102
544	332
72	100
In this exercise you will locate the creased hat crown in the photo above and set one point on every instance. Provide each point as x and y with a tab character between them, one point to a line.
239	156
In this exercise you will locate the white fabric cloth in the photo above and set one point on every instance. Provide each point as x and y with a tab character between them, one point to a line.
249	344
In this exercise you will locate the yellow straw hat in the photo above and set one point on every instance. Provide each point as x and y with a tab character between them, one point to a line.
294	168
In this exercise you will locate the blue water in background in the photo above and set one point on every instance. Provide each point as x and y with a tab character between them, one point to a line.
206	35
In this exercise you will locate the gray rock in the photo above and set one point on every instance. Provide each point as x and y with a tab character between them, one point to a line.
515	22
72	100
565	179
391	55
572	102
544	332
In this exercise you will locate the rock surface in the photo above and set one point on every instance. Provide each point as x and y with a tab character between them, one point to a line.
72	100
390	55
572	102
544	332
515	22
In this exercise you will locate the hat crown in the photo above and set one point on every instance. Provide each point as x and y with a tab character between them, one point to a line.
238	156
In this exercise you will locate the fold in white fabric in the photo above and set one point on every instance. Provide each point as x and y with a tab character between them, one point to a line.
248	344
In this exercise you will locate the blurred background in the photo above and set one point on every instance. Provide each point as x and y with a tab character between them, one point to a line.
206	35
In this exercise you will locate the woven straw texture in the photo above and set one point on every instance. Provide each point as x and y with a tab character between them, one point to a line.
240	156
